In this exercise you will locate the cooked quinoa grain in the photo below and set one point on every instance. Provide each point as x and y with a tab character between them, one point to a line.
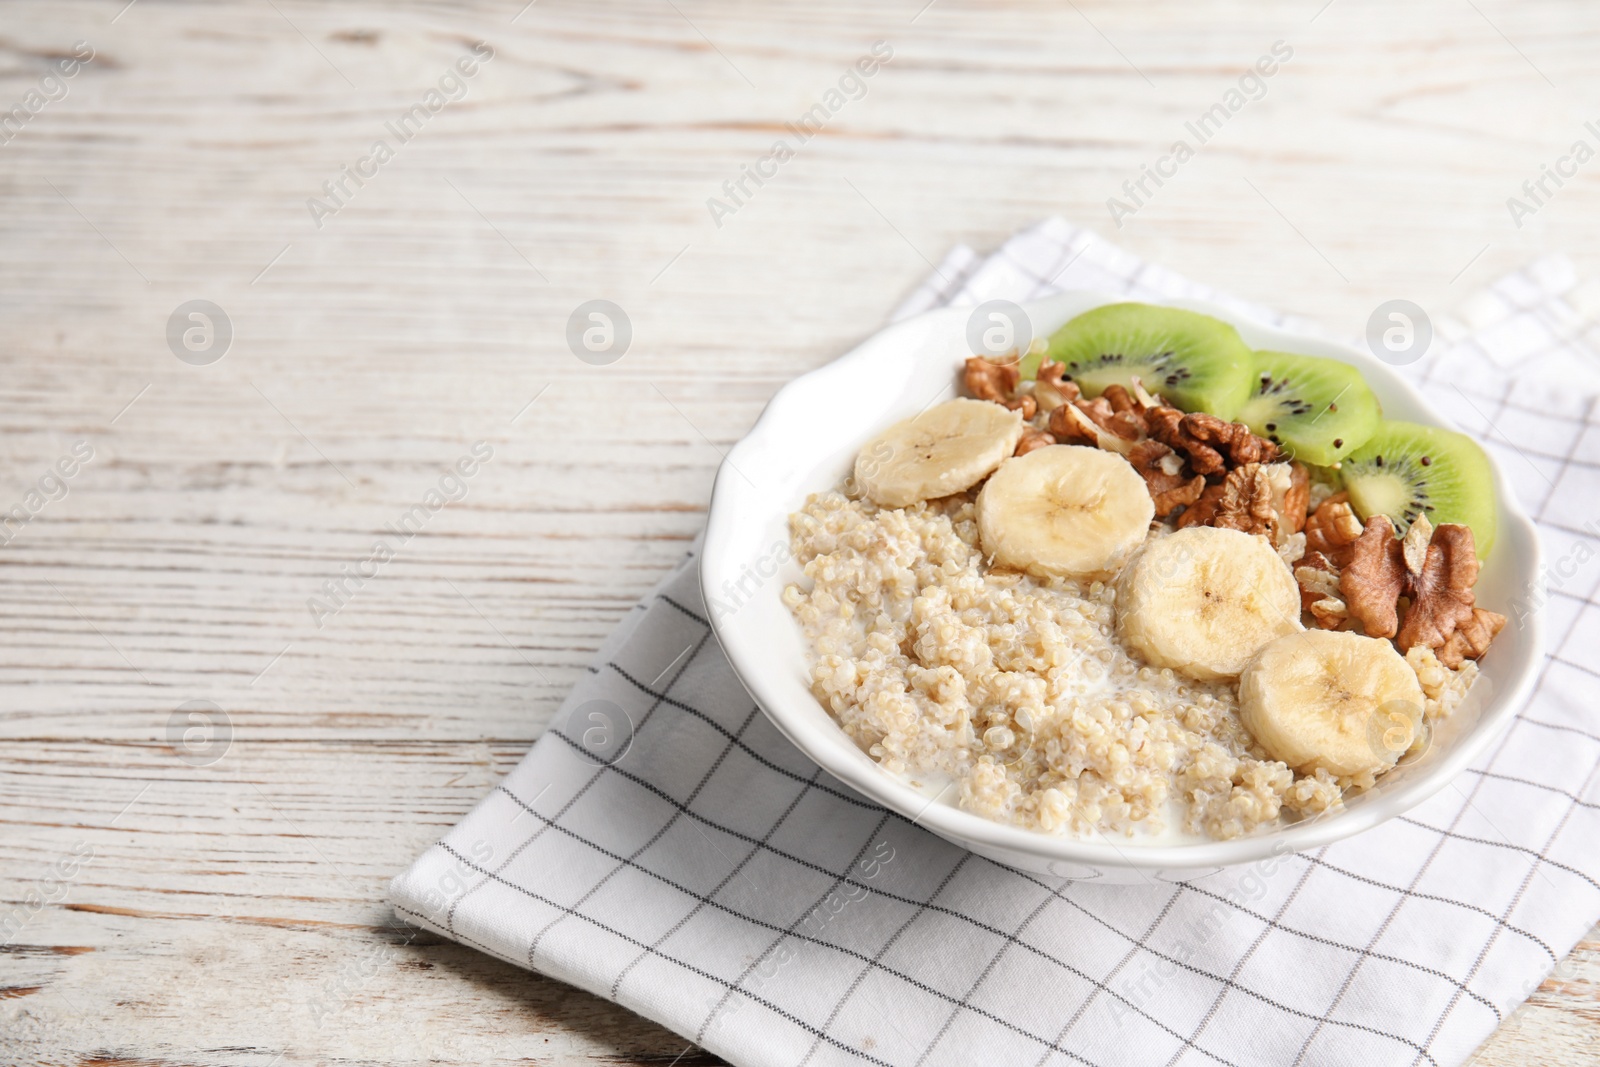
1016	688
1442	687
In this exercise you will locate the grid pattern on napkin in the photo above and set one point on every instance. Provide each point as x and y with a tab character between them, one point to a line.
711	878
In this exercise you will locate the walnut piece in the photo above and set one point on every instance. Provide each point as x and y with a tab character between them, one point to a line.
1072	426
1209	442
1128	424
1471	639
1105	413
1116	412
987	380
1166	426
1119	398
1032	439
1136	399
1142	395
1050	389
1093	422
1231	438
1374	578
1296	501
1203	510
1332	528
1025	404
1163	472
1318	579
1099	411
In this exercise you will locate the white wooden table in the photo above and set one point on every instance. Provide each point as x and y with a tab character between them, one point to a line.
176	904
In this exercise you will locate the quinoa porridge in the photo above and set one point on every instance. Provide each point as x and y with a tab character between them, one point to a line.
1014	687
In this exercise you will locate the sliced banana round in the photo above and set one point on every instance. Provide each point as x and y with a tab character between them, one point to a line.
1331	699
1204	600
944	450
1064	510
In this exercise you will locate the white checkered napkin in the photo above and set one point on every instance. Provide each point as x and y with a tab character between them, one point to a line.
712	879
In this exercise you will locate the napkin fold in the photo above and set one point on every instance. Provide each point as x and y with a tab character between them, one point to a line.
663	846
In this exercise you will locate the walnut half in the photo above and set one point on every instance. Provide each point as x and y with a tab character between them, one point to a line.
1439	580
1436	569
1374	578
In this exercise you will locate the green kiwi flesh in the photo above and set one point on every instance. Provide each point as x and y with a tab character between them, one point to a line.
1405	469
1194	361
1319	410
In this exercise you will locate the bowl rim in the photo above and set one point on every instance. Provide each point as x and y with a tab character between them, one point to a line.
975	831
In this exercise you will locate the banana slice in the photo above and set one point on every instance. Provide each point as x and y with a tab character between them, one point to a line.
1204	600
1331	699
1064	510
942	451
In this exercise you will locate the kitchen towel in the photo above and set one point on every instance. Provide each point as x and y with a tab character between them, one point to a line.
663	846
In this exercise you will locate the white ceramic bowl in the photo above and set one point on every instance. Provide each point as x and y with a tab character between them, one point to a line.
806	441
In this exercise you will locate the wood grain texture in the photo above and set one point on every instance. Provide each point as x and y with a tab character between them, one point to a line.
232	913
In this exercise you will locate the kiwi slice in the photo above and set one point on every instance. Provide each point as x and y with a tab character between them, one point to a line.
1319	410
1405	470
1194	361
